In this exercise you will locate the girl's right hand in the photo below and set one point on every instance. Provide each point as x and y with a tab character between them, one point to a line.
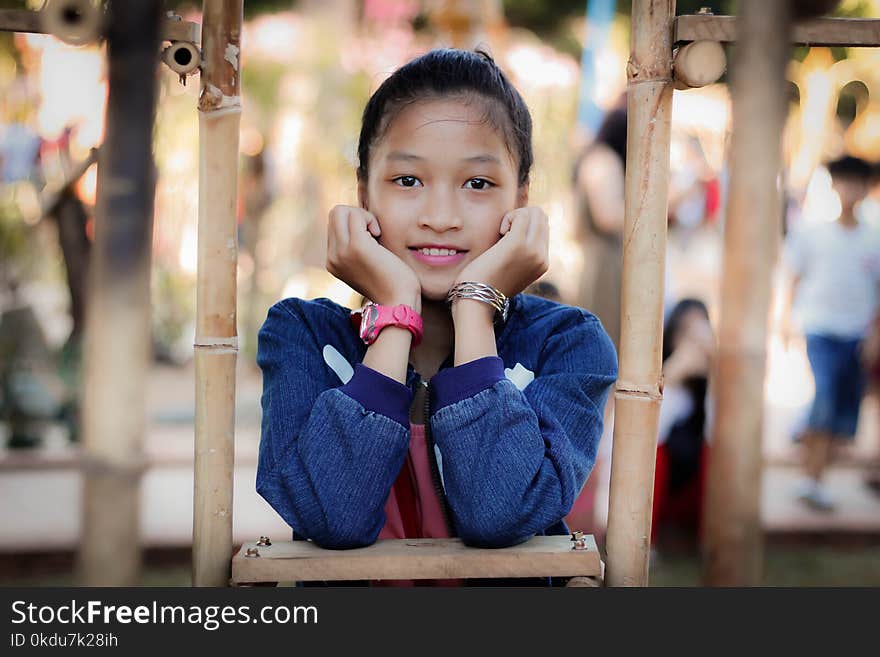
688	360
355	257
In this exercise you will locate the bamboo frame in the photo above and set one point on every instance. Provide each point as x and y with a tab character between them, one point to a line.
698	63
216	342
638	392
23	20
118	338
732	518
852	32
420	558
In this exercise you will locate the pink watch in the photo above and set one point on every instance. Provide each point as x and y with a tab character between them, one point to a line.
375	317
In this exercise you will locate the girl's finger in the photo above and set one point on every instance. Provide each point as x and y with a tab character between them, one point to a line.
519	222
361	241
338	228
506	221
544	233
534	229
373	225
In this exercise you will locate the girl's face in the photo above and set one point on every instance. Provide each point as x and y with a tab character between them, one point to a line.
693	326
440	181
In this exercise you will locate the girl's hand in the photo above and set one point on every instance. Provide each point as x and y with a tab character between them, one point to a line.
688	360
355	257
519	258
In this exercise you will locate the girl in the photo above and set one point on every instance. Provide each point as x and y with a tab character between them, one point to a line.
453	405
682	451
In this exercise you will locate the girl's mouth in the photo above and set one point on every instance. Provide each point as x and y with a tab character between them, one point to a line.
437	256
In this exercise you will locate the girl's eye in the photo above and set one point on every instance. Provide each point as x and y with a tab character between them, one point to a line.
478	183
407	181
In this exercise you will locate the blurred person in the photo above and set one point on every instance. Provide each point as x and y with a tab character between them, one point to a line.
459	407
598	183
546	290
693	188
599	198
868	211
834	270
679	479
870	356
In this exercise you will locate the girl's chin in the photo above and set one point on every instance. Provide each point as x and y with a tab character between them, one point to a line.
435	291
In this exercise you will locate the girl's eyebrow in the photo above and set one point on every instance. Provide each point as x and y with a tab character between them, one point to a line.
400	155
483	157
409	157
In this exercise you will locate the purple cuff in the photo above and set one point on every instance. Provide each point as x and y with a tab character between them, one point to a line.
380	394
456	383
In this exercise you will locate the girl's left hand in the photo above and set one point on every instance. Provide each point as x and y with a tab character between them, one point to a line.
519	258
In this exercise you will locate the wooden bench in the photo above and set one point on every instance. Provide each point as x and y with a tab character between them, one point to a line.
420	558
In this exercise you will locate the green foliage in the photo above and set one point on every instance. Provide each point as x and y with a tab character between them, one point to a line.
17	255
251	7
543	18
173	310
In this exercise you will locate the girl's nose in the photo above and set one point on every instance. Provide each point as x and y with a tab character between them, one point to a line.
441	214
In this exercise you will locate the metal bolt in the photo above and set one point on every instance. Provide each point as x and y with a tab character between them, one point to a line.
252	552
264	540
706	11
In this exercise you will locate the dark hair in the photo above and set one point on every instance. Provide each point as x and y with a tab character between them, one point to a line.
443	72
849	167
673	322
545	289
612	132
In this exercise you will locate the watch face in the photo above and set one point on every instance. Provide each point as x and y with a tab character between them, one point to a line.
368	323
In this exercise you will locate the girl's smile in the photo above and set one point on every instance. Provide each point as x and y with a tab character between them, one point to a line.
438	255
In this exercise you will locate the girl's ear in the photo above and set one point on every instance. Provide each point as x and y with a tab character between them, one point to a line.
522	195
362	195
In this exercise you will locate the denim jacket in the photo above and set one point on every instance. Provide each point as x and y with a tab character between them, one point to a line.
516	434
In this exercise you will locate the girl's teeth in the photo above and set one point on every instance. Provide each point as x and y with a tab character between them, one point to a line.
438	252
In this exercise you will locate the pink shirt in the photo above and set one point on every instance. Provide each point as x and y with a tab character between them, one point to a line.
413	503
413	509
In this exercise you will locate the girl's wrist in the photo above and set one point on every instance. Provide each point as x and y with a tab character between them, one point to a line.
474	330
411	298
473	312
389	354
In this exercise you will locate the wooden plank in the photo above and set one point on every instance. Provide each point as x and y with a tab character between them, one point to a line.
180	30
19	20
419	558
854	32
22	20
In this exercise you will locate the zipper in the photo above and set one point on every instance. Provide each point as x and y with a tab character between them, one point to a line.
432	460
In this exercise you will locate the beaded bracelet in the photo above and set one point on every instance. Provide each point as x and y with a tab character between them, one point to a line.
481	292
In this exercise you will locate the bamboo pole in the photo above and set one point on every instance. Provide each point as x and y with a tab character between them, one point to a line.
732	523
117	341
638	392
216	343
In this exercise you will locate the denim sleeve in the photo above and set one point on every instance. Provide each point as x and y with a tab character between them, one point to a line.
514	461
326	463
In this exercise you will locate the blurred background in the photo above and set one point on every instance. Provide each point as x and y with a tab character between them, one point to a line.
308	68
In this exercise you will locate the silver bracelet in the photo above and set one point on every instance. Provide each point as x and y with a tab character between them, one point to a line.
481	292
